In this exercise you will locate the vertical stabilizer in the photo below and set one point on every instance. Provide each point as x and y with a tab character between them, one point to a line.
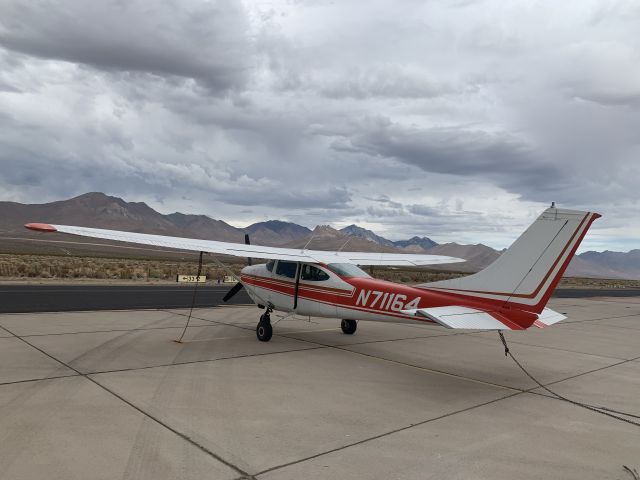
525	275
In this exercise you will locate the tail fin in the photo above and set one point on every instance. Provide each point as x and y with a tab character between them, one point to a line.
525	276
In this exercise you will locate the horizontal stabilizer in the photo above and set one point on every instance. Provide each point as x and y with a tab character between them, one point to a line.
457	316
463	317
548	317
460	317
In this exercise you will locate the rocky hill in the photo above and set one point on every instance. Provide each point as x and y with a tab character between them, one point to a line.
356	231
104	211
276	232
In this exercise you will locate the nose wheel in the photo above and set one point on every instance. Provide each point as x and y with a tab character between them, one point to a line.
264	330
349	326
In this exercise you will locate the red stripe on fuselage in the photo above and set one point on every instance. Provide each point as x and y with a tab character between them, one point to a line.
301	286
512	318
288	288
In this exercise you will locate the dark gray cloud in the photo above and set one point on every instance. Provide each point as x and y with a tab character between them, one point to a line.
204	41
459	120
462	151
425	211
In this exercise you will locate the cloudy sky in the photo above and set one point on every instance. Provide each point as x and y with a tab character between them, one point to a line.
460	119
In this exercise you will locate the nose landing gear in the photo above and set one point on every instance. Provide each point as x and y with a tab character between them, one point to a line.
264	330
349	326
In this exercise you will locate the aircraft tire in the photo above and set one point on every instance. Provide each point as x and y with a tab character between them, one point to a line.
349	326
264	331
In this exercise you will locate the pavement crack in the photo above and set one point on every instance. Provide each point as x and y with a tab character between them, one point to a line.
31	380
180	434
564	350
210	360
386	434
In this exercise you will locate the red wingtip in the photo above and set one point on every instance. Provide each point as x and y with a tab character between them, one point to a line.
40	227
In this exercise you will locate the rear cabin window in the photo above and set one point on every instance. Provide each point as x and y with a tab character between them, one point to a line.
286	269
313	274
270	265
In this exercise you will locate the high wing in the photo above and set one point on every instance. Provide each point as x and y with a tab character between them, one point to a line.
254	251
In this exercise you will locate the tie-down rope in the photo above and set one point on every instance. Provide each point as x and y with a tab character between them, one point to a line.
193	299
594	408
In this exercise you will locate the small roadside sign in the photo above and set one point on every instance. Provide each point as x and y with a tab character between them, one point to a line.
191	278
229	279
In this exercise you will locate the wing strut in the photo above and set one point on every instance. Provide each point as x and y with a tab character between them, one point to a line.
295	294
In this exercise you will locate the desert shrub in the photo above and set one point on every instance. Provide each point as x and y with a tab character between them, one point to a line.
155	274
125	273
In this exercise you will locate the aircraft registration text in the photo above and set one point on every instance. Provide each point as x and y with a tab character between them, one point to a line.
386	300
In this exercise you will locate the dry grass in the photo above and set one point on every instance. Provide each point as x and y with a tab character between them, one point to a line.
579	282
70	267
40	267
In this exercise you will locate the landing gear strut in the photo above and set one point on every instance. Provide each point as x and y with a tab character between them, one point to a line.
264	330
349	326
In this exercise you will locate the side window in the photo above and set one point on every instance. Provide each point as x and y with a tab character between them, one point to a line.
270	265
314	274
286	269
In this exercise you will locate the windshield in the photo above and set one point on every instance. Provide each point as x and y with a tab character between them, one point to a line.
347	270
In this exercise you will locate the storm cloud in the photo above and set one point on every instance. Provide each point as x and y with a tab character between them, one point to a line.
205	42
457	120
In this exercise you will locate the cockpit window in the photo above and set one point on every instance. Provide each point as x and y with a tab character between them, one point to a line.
286	269
313	274
270	265
347	270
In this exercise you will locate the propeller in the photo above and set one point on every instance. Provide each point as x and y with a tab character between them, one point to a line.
238	286
247	242
232	291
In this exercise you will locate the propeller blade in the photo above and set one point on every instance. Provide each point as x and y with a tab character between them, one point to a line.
247	242
232	291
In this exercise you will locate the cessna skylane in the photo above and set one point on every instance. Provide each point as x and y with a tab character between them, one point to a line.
509	294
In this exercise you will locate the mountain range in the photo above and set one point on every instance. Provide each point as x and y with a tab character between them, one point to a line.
103	211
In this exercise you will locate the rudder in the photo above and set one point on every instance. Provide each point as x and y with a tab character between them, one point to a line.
525	275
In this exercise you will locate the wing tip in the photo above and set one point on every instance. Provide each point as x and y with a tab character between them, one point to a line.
41	227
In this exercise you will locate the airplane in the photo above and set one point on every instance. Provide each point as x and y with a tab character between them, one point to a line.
509	294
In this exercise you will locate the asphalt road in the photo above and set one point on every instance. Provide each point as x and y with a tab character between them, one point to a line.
62	298
595	292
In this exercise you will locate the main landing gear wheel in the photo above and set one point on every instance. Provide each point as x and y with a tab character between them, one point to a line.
349	326
264	330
